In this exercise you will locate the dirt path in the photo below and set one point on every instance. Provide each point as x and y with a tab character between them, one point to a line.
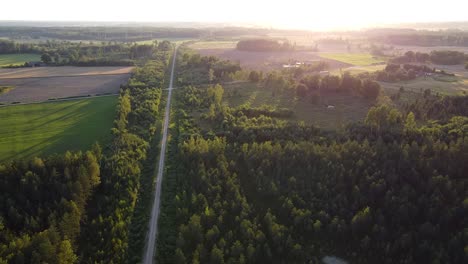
148	257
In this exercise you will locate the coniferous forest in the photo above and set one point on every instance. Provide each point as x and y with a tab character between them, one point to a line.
248	184
247	187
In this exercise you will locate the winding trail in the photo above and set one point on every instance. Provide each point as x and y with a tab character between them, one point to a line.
148	257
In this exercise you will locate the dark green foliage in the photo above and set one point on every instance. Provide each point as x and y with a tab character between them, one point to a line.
42	203
444	57
439	108
258	190
88	54
106	232
195	69
312	85
447	57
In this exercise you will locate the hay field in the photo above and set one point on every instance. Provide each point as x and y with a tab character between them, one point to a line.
55	127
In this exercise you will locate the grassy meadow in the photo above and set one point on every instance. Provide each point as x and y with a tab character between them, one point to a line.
17	59
46	128
444	85
357	59
348	108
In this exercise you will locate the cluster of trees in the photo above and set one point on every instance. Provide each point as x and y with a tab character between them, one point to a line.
396	72
11	47
439	108
264	45
313	85
259	190
196	69
87	54
444	57
424	38
412	57
447	57
106	232
42	202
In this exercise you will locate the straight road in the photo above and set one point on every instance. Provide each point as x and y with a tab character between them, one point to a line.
153	224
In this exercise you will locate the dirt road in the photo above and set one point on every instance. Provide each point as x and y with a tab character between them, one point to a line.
148	257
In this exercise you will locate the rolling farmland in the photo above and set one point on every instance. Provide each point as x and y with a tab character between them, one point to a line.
46	128
45	83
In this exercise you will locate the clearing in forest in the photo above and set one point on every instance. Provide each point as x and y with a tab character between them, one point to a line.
357	59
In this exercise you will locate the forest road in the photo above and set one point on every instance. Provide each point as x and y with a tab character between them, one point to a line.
148	257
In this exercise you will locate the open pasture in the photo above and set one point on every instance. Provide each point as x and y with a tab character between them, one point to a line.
357	59
55	127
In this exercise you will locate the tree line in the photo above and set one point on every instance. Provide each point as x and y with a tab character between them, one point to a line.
443	57
105	237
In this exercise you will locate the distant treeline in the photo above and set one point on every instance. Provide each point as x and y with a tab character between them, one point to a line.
419	37
11	47
264	45
444	57
98	33
87	54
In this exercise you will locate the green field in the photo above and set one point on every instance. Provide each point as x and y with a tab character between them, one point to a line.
357	59
46	128
348	108
17	59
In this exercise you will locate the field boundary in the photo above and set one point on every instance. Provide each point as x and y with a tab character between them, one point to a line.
63	76
61	99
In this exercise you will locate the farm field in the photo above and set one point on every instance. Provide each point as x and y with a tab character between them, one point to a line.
61	71
17	59
44	83
41	89
348	108
357	59
46	128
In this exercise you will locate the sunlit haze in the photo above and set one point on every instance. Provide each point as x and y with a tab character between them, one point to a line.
303	14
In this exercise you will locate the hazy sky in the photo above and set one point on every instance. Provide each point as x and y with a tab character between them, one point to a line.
312	14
